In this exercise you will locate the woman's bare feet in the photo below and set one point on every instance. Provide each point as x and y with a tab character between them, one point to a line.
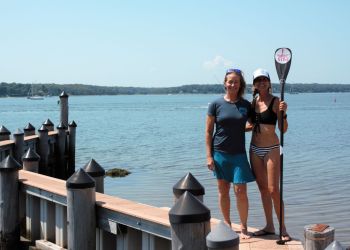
286	237
244	234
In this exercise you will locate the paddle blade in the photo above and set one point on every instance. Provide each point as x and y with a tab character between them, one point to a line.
283	59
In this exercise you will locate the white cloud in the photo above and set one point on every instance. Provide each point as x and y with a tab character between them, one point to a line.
218	61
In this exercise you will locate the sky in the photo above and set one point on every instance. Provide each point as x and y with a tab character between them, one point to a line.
171	43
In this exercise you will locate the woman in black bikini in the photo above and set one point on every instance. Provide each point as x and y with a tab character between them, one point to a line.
265	148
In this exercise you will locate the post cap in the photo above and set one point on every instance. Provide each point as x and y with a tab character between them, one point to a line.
9	164
18	132
335	245
48	122
61	125
29	127
30	155
188	183
4	130
188	209
72	124
43	129
63	94
222	236
80	180
94	169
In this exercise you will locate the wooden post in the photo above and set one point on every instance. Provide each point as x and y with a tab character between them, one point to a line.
4	133
61	168
18	137
222	237
43	150
49	125
72	127
81	199
317	240
97	173
188	183
9	209
190	223
31	161
29	130
64	108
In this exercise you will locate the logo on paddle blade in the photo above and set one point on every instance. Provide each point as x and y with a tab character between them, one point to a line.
283	55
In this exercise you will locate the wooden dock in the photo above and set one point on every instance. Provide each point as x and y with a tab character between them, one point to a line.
132	214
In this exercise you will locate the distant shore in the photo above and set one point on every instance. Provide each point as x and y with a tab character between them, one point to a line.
51	89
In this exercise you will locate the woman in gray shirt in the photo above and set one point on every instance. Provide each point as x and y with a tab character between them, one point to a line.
226	154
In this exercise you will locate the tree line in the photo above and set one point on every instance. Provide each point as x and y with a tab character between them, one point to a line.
51	89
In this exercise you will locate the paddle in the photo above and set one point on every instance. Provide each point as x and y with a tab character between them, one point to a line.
283	59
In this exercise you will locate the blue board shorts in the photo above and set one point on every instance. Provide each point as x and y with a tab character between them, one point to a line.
233	168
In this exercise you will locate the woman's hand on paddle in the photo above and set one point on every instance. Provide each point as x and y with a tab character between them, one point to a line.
283	106
210	163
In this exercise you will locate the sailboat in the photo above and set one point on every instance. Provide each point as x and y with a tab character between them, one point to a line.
33	96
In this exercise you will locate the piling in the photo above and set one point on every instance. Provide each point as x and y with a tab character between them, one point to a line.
43	150
190	223
4	133
49	125
191	184
222	237
81	215
31	161
315	240
18	138
9	209
64	108
29	130
72	127
97	173
61	168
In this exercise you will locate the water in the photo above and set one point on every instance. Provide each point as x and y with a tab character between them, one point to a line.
160	138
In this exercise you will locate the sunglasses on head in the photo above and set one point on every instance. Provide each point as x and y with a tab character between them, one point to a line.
237	71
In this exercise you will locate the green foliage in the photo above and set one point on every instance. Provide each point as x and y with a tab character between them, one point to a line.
19	89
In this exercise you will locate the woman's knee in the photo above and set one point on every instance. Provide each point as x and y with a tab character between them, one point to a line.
224	188
241	191
274	192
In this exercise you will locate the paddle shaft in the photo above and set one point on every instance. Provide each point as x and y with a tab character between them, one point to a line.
282	81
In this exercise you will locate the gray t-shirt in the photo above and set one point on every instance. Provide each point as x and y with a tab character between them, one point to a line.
230	122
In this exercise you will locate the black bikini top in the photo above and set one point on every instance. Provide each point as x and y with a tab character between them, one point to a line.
266	117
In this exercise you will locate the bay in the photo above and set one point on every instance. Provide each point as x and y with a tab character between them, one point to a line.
160	138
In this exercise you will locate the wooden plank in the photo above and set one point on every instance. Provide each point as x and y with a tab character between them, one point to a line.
61	225
32	218
47	220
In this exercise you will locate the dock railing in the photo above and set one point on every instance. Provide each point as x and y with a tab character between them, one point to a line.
46	204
